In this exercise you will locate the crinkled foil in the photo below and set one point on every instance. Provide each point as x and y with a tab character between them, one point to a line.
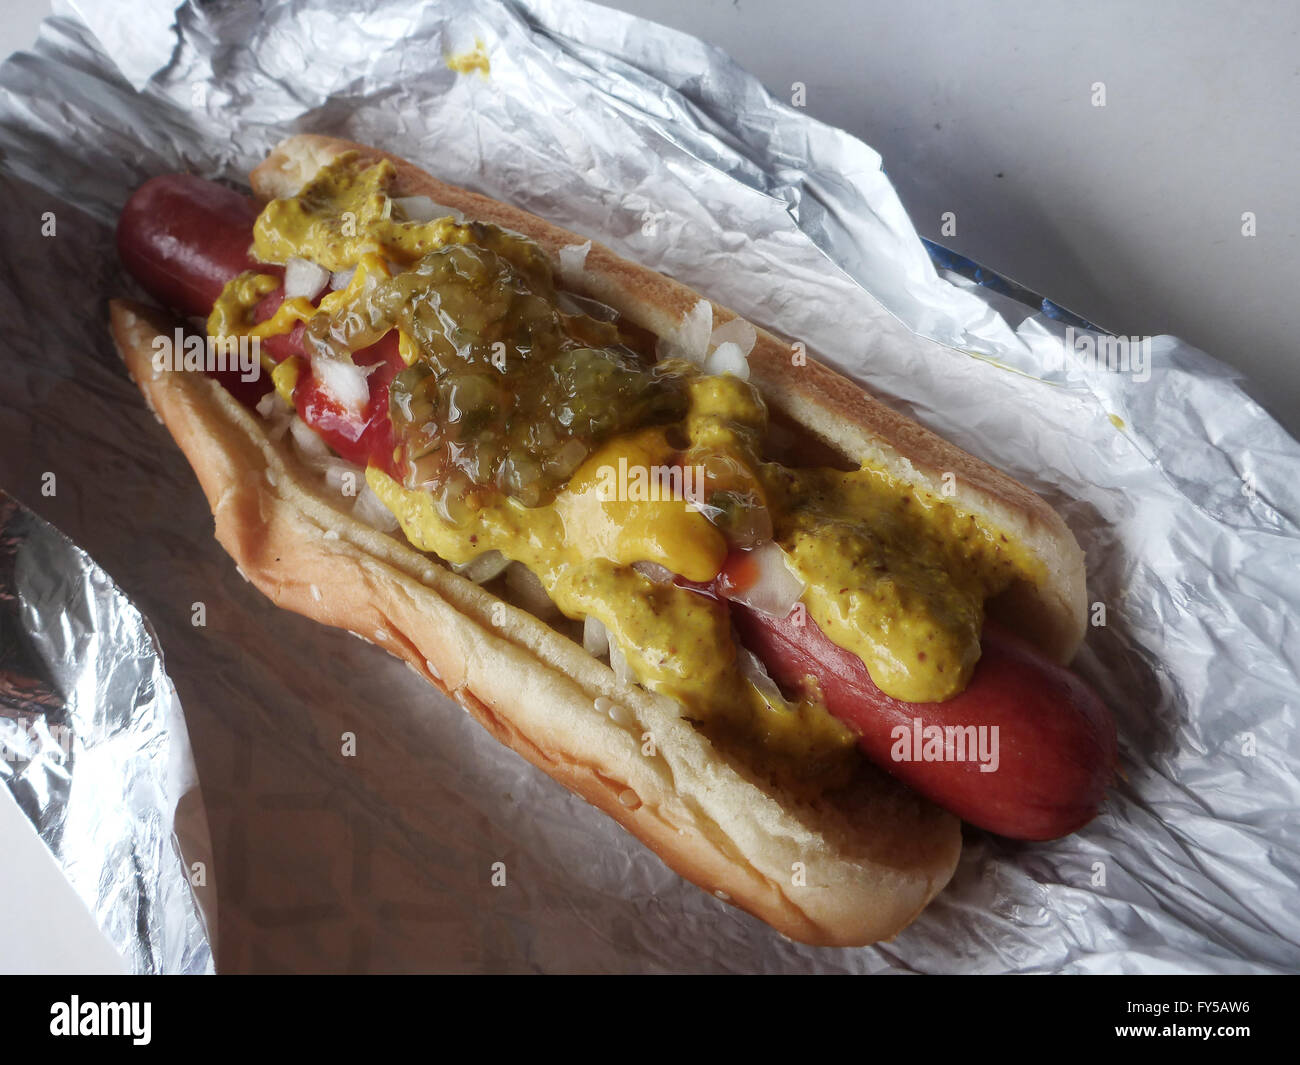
1181	490
94	745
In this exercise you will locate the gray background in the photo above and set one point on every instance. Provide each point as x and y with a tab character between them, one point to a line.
1129	214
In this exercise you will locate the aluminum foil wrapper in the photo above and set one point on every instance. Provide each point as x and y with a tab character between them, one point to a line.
94	746
1181	490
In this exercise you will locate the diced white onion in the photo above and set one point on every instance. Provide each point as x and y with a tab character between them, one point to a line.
423	209
618	663
341	474
276	412
304	279
657	573
595	639
751	666
738	332
727	358
342	278
370	509
570	303
777	588
313	451
529	593
694	332
483	568
573	262
344	380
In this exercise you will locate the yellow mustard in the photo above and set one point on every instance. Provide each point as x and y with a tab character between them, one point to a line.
476	59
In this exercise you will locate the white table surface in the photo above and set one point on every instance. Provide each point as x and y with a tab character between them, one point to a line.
44	926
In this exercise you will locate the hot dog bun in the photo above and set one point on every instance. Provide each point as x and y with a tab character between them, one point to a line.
872	856
843	868
1050	615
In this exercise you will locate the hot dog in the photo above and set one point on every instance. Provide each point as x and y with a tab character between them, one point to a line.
1058	740
188	242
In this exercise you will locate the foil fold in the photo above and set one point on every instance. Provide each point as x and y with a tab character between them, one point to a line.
94	745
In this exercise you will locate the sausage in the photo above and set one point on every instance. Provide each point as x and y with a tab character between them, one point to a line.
1054	739
183	238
